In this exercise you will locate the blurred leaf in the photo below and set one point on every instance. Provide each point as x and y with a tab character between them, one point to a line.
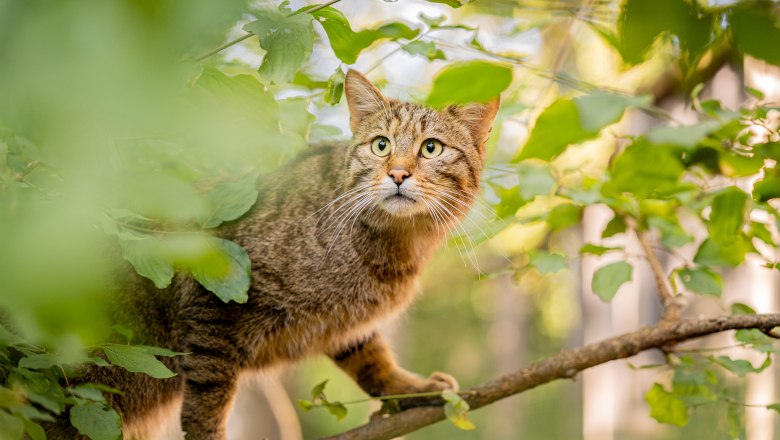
742	309
727	216
136	359
318	391
774	407
12	427
767	188
96	420
590	248
740	367
124	331
230	282
684	136
229	200
546	262
665	407
305	405
702	281
564	215
615	226
145	258
337	409
753	24
288	42
641	22
335	87
88	392
486	81
608	279
735	417
456	409
672	234
757	340
425	49
34	430
451	3
534	180
39	361
645	170
711	253
599	109
346	43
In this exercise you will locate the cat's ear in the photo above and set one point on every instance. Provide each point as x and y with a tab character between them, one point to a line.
363	98
478	118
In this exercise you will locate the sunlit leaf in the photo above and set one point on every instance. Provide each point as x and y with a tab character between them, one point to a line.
665	407
658	167
727	216
346	43
425	49
335	87
753	24
287	41
547	262
593	249
485	81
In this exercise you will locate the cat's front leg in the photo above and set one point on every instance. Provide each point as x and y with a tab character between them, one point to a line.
209	388
372	364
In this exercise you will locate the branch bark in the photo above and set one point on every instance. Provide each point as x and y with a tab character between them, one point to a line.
672	303
565	364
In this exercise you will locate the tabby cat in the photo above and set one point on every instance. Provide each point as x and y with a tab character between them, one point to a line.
337	240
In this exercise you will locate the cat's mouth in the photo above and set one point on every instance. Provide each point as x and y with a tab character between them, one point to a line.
399	196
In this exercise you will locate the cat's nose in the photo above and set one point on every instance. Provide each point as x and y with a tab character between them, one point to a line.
398	175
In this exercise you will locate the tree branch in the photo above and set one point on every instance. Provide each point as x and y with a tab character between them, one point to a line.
565	364
672	303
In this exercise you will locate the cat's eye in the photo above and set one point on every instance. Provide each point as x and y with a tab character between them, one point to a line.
431	148
380	146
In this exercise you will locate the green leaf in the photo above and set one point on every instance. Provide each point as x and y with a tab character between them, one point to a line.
485	81
534	180
693	384
608	279
645	170
740	367
335	87
573	121
736	418
563	216
641	22
96	420
425	49
665	407
456	409
742	309
672	234
753	24
88	392
684	136
593	249
727	216
39	361
600	109
124	331
702	281
774	407
145	257
767	188
318	391
451	3
288	42
136	359
229	200
757	340
711	253
337	409
305	405
546	262
230	281
34	430
12	427
346	43
615	226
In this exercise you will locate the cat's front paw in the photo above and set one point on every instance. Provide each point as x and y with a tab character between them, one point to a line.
439	381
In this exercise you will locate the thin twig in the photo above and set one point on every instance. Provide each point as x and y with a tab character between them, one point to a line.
672	305
235	41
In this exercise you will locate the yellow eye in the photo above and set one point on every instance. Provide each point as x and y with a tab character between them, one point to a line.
380	146
431	148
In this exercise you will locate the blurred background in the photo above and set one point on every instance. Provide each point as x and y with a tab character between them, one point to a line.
107	122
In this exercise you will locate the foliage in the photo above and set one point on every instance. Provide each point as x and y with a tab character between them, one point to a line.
131	148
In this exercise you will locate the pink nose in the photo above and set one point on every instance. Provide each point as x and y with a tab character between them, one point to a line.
398	175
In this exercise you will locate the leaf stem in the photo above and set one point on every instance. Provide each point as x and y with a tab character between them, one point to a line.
249	34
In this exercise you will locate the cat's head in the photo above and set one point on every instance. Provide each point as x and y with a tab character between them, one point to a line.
410	160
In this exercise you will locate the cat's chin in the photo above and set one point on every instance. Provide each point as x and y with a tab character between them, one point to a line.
401	206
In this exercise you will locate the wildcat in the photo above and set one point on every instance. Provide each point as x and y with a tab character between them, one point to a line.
337	241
